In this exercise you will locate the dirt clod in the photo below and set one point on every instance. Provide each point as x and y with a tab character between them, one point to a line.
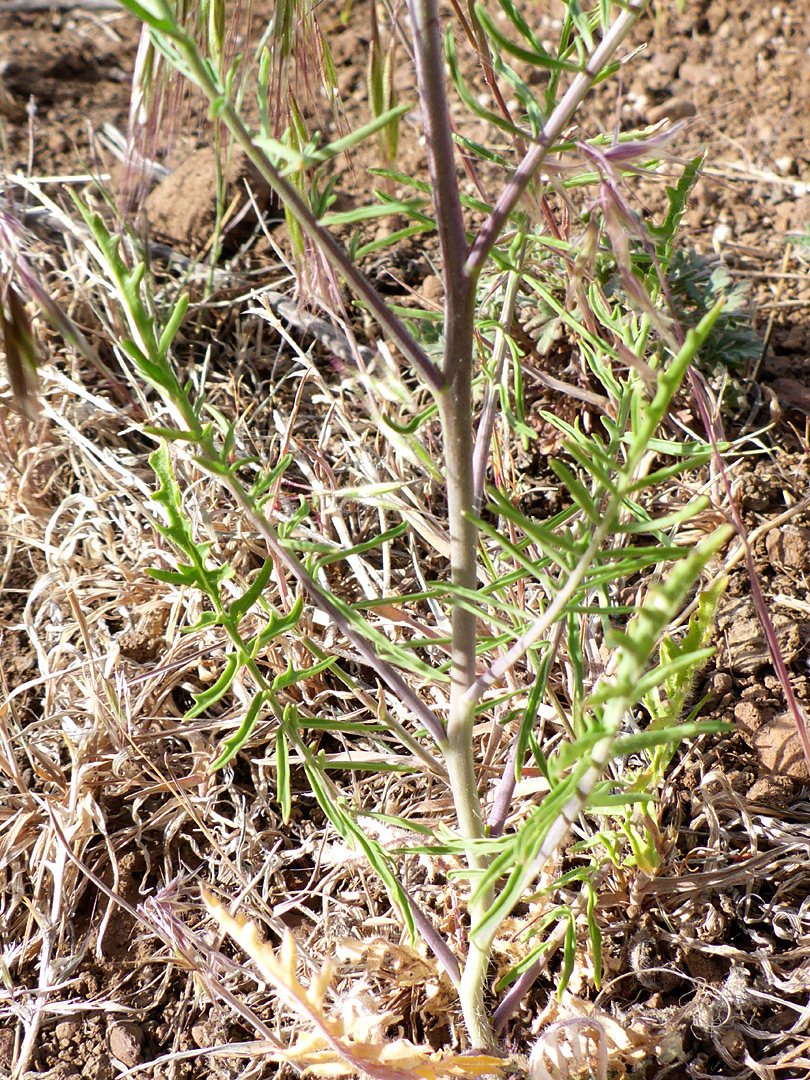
789	548
745	647
677	108
775	739
66	1030
182	208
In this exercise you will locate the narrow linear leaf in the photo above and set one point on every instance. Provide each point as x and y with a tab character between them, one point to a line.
242	606
236	741
283	775
208	697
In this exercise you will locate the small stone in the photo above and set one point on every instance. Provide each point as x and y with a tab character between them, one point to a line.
792	394
66	1029
699	74
773	791
745	648
789	547
199	1034
57	142
750	718
432	289
785	166
721	235
98	1068
722	683
677	108
125	1042
775	740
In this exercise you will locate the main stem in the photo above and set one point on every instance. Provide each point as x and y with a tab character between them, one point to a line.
455	410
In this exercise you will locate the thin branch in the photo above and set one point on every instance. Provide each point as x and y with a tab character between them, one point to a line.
559	120
321	237
396	684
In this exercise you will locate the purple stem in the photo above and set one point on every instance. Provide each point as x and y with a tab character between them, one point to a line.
697	382
503	796
434	940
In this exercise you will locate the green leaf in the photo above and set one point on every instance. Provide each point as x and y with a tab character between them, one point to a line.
245	602
236	741
595	934
661	524
469	98
154	13
172	434
536	57
185	576
569	955
576	489
368	213
278	151
299	160
206	620
283	775
391	239
360	134
649	739
337	812
530	713
208	697
679	196
293	675
278	625
358	549
173	325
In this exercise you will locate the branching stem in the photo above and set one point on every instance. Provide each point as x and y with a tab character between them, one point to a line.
556	124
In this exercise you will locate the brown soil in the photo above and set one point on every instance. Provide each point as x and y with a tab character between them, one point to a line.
711	970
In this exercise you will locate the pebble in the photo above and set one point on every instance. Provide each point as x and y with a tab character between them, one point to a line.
125	1042
199	1033
774	739
785	165
721	235
789	547
432	289
66	1029
677	108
